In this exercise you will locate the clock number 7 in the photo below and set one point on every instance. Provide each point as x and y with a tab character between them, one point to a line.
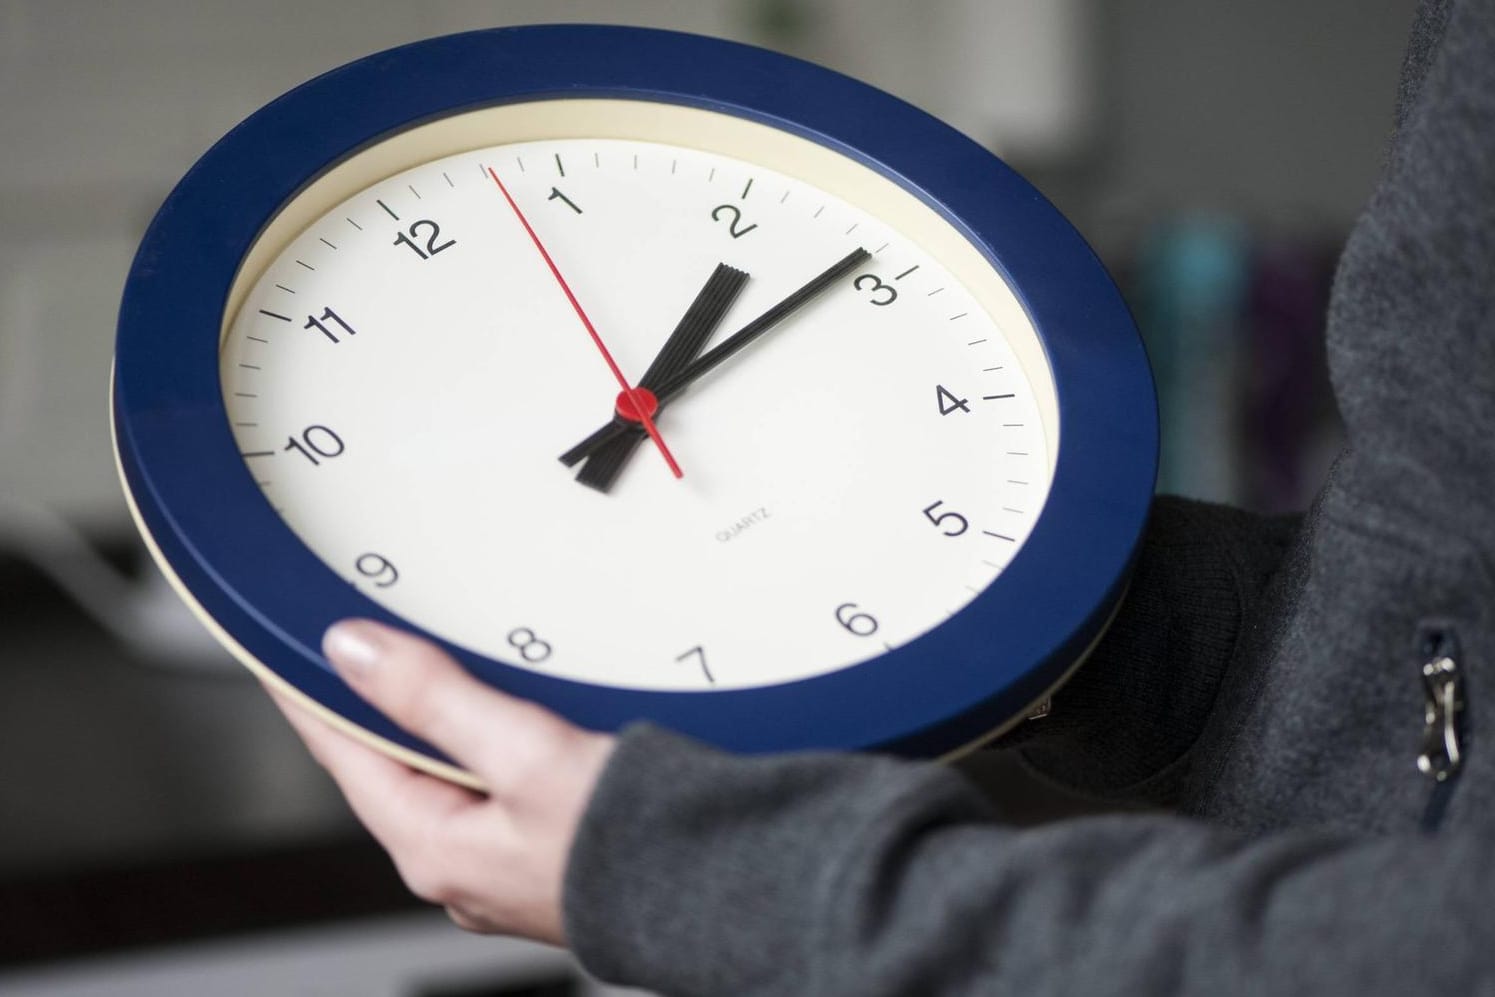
699	653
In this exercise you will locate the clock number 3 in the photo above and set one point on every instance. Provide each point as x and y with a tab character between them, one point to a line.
881	294
530	647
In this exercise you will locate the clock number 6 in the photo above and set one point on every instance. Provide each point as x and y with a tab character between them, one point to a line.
861	624
530	647
955	523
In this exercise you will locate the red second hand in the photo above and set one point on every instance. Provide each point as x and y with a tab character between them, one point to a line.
639	403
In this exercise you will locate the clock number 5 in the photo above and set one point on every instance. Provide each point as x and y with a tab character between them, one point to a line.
953	522
861	624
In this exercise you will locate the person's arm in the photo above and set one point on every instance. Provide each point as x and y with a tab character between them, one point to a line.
699	873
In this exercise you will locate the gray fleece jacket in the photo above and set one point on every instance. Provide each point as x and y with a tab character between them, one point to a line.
1262	693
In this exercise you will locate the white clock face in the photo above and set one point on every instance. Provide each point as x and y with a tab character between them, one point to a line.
403	374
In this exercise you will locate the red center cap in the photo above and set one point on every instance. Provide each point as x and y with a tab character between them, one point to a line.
625	404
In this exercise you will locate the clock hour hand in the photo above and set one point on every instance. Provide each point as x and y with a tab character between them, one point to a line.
695	327
678	382
607	461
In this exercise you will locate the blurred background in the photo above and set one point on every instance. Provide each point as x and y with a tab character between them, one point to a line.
160	830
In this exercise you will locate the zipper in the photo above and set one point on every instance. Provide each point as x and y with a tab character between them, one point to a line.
1444	739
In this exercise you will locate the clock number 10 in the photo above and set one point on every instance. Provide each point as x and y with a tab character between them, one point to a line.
314	442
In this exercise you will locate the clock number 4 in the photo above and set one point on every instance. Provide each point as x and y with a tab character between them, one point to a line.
948	402
951	524
433	232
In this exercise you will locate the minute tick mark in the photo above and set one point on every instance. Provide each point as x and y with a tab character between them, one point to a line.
387	210
326	243
283	318
907	272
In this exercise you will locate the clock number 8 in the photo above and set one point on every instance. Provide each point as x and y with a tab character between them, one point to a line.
530	647
861	624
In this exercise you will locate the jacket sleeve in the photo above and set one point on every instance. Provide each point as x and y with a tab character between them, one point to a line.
1206	578
839	875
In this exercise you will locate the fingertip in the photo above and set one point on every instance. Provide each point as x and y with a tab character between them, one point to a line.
355	647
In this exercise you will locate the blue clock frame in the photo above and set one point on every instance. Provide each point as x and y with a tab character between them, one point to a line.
949	687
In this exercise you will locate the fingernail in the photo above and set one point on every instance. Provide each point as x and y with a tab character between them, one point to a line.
353	647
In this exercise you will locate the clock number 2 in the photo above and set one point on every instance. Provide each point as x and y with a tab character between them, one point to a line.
530	647
723	210
861	624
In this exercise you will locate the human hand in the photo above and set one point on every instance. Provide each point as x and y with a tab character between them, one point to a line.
495	861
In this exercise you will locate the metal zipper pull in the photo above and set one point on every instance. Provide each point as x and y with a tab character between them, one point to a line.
1443	686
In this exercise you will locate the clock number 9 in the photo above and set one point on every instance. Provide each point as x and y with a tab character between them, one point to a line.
377	569
955	523
861	624
530	647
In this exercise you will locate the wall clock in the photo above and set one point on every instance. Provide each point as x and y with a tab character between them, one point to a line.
655	376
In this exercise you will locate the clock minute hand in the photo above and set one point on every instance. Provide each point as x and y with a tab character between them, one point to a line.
606	462
695	327
676	383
